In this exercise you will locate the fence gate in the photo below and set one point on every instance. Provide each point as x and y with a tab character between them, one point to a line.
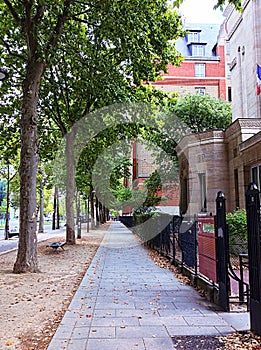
222	247
254	255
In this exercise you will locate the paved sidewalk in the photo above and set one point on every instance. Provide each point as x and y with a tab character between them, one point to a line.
127	302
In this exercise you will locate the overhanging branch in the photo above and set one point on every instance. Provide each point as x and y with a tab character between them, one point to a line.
13	12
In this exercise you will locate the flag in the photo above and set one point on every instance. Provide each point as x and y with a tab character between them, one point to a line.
258	79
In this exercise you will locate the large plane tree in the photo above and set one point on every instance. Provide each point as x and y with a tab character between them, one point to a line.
30	32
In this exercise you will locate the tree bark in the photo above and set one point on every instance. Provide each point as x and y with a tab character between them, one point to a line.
97	211
57	208
78	215
70	187
26	260
41	208
7	214
92	210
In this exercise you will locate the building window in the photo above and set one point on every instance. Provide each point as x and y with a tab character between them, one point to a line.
229	94
198	50
236	188
200	70
184	196
193	37
228	71
228	48
200	90
256	176
203	192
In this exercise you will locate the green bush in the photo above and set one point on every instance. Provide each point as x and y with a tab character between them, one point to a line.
237	231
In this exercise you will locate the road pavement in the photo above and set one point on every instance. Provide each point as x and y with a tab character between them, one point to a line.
12	243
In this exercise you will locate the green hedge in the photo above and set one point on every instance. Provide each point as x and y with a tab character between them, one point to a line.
237	230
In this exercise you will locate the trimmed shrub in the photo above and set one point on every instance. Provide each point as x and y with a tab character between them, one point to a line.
237	231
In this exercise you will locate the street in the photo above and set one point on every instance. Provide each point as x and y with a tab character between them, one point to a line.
12	243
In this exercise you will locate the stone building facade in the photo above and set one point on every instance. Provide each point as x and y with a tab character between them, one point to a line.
228	160
243	33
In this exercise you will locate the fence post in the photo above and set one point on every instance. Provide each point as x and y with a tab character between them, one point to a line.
222	252
254	255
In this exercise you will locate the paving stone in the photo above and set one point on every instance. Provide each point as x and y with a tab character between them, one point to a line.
102	332
63	332
76	344
80	332
115	321
240	321
157	320
124	295
205	320
180	312
136	313
142	331
158	343
187	306
224	330
192	330
60	344
114	305
115	344
104	313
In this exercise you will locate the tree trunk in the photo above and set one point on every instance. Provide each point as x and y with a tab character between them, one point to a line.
57	208
107	214
97	211
78	219
101	213
7	214
92	211
26	260
41	208
70	187
103	218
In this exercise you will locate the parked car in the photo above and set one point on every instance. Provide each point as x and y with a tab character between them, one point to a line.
13	228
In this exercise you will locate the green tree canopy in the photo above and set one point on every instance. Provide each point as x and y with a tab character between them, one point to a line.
202	112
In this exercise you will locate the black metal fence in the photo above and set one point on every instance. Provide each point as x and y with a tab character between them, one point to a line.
177	239
254	255
172	236
127	220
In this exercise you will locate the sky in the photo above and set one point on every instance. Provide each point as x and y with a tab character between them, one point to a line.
200	11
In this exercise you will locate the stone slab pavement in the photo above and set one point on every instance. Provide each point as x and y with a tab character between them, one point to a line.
126	302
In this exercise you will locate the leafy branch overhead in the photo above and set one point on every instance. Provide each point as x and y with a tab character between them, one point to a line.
65	59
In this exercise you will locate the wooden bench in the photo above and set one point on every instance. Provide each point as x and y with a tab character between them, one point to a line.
56	245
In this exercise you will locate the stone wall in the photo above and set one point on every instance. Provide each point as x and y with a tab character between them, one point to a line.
226	157
205	153
245	44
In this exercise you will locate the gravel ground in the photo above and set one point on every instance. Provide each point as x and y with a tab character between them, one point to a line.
198	342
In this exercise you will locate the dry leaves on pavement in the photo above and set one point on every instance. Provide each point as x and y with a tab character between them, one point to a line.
235	341
32	305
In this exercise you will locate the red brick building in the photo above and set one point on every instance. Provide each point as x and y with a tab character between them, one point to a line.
228	160
143	166
203	69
